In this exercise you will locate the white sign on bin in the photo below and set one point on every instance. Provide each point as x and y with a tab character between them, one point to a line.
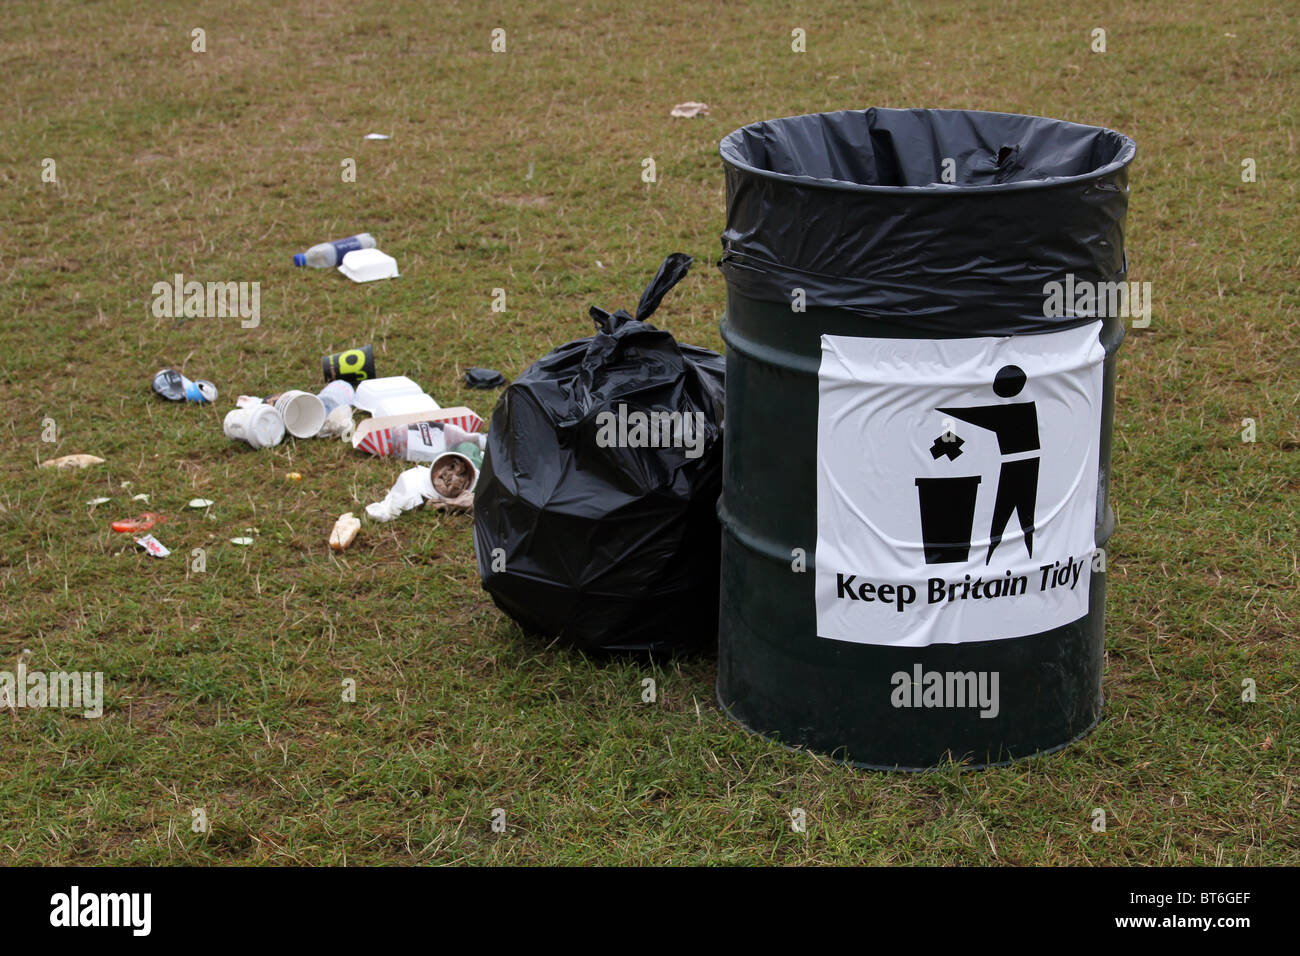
956	486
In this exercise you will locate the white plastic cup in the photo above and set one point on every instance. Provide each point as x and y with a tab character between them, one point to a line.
303	413
259	425
336	393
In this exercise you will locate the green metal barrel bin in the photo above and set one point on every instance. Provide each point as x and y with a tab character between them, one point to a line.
923	314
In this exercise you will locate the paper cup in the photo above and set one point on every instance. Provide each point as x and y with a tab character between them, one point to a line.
303	413
350	365
473	471
259	425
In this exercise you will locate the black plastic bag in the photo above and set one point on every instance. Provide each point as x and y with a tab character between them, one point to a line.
954	219
606	546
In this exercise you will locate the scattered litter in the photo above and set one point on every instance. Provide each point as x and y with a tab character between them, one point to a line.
599	264
325	255
98	501
175	387
483	378
336	394
462	505
425	440
368	265
303	412
380	435
453	475
142	522
473	450
153	546
345	532
377	136
73	461
140	497
338	424
396	395
200	503
446	482
260	425
350	365
293	476
689	110
410	490
242	542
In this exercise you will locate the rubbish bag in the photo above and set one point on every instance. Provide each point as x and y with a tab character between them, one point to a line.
953	219
586	527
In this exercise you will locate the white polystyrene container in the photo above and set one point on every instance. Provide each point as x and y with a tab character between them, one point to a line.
376	393
367	265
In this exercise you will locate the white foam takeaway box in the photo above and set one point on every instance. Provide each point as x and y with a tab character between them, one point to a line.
396	395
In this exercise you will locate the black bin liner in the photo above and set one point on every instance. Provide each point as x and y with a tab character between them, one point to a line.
607	548
854	208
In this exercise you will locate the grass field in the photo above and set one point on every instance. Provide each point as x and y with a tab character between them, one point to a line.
522	170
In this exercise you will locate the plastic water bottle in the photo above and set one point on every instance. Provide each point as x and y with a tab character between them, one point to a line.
336	393
422	442
425	441
327	254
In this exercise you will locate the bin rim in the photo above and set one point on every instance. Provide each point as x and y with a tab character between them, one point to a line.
1126	154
